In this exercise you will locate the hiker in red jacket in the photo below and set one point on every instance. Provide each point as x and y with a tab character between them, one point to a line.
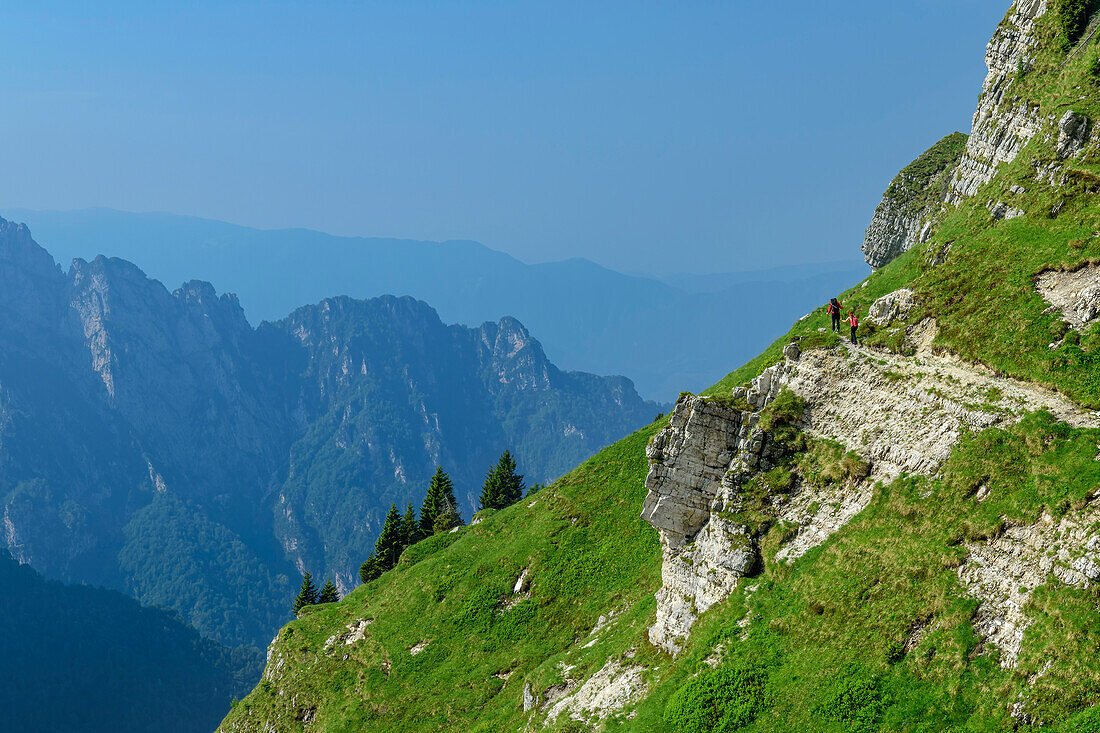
833	309
853	321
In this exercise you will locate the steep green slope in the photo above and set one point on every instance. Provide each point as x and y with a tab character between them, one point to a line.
585	551
877	626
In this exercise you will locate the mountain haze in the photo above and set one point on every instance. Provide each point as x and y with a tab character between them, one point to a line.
75	658
896	534
588	317
155	443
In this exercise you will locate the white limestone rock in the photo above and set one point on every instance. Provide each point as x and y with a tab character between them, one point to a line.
1073	133
899	414
1075	293
1001	126
891	307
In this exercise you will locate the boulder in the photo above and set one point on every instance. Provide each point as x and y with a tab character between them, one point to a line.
891	307
1073	133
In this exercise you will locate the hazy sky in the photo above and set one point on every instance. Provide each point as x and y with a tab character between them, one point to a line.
680	136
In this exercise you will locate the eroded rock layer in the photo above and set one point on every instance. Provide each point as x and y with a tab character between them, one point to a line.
899	414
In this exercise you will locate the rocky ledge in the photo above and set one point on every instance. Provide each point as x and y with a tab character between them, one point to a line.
897	414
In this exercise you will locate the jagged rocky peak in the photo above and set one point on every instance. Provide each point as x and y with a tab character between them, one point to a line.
19	250
904	217
205	297
32	297
514	357
957	166
1002	123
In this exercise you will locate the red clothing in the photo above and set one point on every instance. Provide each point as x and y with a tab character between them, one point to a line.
853	320
832	308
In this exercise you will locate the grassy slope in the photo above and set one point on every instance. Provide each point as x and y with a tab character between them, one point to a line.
822	646
588	552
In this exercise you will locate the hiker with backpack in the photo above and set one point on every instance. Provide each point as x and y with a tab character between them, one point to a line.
833	309
853	321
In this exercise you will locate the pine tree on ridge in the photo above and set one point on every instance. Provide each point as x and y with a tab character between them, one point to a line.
439	498
410	529
307	594
329	594
503	486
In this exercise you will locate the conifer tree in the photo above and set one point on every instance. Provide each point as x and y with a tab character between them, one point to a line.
329	594
307	595
410	530
511	483
447	521
503	486
439	496
490	490
448	490
388	547
370	569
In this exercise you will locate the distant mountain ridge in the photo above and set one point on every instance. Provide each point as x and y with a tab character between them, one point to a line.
154	442
587	316
899	532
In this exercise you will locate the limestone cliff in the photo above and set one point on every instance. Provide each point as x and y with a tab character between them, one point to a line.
912	201
957	166
1003	123
899	414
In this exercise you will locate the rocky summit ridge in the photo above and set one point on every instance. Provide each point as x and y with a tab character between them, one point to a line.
898	534
154	442
957	166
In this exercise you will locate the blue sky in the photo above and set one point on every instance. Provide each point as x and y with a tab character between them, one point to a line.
677	137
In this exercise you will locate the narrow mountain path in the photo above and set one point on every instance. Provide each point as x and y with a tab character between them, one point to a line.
906	413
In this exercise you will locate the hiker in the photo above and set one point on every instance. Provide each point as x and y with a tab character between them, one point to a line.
833	309
853	321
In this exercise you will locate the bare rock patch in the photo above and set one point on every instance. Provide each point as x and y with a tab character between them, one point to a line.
1075	293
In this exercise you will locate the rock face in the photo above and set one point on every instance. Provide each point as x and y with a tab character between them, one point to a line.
1073	133
899	414
141	427
1075	293
1005	571
698	466
1002	126
695	465
617	685
891	307
904	217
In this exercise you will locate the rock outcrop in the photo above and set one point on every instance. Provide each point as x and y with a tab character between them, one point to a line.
615	686
898	414
1073	133
904	217
1076	293
695	467
1004	572
1002	125
891	307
